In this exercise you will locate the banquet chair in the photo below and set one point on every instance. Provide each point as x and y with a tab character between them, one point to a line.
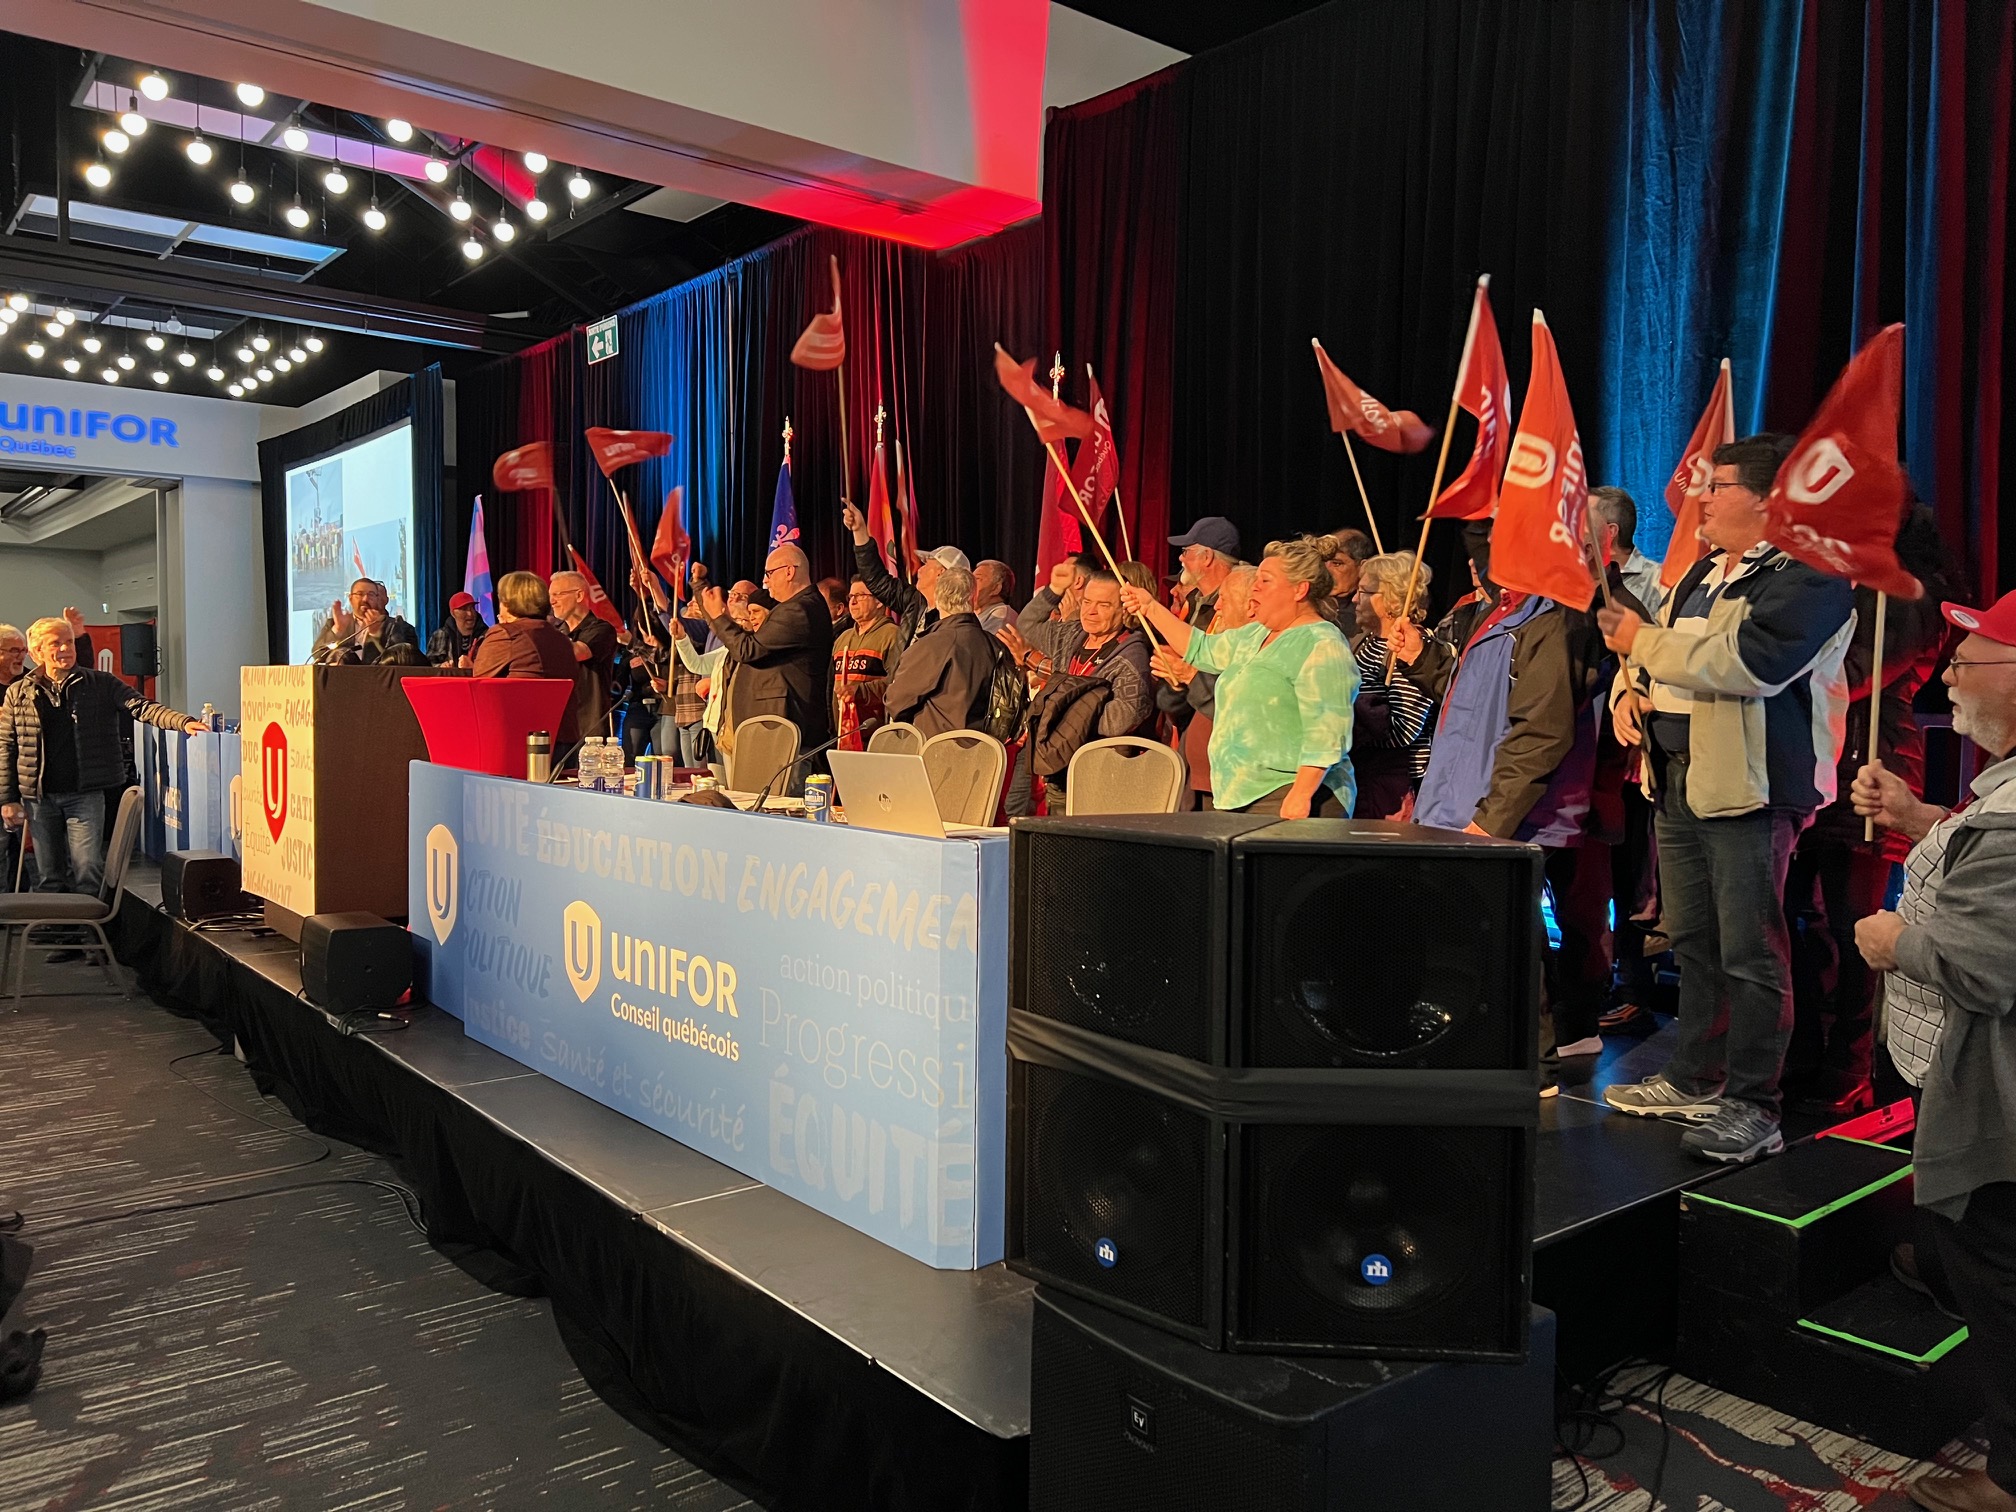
764	745
1124	775
897	739
966	768
28	912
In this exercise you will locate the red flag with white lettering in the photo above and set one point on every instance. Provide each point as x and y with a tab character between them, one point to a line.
1059	534
1485	390
1355	412
598	601
1540	541
1840	496
823	345
617	449
524	468
1684	491
1055	420
1096	470
672	548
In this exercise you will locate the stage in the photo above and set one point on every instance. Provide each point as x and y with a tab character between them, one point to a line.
757	1334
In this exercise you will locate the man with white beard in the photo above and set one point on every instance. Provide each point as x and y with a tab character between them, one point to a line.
1210	552
1951	1005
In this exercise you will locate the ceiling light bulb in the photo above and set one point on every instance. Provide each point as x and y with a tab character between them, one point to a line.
116	141
436	171
283	364
472	248
126	361
97	175
7	315
244	354
214	373
53	327
110	375
294	136
260	343
264	375
133	123
461	209
374	217
93	345
185	358
71	364
297	215
536	162
35	349
248	381
251	96
535	210
154	86
313	343
17	302
398	130
159	375
241	191
336	181
236	391
503	230
66	317
199	152
578	185
295	354
155	341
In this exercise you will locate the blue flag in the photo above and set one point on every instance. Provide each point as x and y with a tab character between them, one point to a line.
783	513
476	570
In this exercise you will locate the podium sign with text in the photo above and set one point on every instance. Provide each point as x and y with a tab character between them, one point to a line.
820	1008
277	752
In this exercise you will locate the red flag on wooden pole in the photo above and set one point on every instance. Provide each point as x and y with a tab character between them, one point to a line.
617	449
598	599
672	548
1484	389
524	468
823	345
1355	412
1055	420
1539	543
1716	427
881	523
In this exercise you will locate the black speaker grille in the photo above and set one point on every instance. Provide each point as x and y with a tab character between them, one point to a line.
1117	938
1411	1240
1117	1193
1387	960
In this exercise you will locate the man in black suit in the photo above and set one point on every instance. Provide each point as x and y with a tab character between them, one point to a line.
786	667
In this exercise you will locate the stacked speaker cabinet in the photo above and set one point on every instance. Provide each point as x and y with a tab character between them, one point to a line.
1274	1085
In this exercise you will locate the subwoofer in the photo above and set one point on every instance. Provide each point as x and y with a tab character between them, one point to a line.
1291	1109
354	961
198	885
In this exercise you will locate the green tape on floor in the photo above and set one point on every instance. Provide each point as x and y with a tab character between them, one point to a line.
1931	1356
1818	1213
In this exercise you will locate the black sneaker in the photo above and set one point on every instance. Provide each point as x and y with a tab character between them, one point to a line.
1628	1018
1738	1132
1904	1266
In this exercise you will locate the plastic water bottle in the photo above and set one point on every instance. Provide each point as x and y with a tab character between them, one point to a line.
605	779
591	764
210	720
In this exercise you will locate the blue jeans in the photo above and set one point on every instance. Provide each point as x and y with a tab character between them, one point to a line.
69	831
685	744
1722	886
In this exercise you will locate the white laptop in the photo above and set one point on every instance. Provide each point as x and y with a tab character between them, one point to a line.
885	790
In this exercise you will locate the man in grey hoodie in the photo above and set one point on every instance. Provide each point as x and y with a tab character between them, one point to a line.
1952	985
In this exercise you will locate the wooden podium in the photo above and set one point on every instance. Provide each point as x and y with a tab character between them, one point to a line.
325	757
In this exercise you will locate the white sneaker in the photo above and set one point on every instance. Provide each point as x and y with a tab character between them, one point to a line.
1590	1046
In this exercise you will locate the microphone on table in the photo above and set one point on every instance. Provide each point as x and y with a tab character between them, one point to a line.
349	642
764	796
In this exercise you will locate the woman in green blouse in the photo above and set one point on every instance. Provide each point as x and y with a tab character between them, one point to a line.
1282	740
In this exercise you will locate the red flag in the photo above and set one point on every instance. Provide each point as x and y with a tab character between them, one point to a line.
598	601
823	346
906	505
1096	470
1716	427
1840	496
617	449
1354	411
881	525
672	548
1055	420
526	467
1540	543
1059	535
357	558
1483	389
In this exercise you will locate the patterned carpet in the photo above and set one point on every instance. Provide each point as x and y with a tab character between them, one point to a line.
282	1336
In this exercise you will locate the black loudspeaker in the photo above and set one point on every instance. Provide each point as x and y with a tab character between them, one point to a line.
354	961
137	656
1274	1085
198	885
1126	1419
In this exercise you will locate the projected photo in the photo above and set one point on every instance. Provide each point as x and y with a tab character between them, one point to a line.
350	515
380	551
319	573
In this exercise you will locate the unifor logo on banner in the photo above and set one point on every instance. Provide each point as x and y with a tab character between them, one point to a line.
581	948
444	883
273	778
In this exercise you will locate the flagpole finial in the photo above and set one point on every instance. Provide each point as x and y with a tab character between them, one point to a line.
1056	375
1483	280
787	438
881	414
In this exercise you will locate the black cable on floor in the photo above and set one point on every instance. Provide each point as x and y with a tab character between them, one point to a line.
408	1199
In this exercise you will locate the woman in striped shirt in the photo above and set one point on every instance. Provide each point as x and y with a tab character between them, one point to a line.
1394	719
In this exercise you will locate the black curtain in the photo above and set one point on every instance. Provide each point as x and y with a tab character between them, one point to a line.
416	399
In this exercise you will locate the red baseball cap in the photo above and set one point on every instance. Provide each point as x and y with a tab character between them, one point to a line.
462	601
1997	623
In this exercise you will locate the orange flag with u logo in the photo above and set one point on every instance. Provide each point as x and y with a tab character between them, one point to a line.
1540	543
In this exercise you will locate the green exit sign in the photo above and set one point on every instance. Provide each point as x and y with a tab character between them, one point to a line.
602	341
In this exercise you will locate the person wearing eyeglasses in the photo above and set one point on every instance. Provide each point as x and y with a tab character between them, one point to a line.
785	665
1738	695
594	648
1950	992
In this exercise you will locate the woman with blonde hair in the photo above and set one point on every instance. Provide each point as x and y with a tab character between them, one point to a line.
1394	720
1281	741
